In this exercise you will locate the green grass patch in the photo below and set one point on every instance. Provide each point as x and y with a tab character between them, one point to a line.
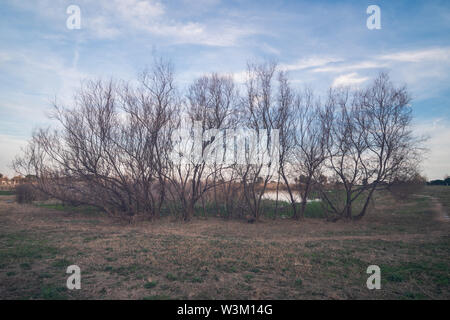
150	285
248	277
171	277
68	208
298	282
20	246
25	266
53	293
61	263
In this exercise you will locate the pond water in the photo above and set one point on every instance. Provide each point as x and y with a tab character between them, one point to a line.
284	196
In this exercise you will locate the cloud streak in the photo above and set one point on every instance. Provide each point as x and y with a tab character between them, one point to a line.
350	79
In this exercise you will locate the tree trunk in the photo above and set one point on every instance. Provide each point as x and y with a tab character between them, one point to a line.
366	204
303	208
276	201
348	205
189	211
305	198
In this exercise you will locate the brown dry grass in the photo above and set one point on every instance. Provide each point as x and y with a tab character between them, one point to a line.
213	258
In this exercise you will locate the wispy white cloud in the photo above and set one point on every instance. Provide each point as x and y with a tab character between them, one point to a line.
425	70
240	77
112	19
269	49
153	18
102	28
309	63
42	77
350	79
351	66
433	54
198	33
138	11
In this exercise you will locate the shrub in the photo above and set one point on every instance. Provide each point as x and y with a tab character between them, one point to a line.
25	193
405	188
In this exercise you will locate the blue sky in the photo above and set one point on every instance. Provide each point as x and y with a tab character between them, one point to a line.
320	43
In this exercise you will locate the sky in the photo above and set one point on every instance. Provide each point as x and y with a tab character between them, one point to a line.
321	44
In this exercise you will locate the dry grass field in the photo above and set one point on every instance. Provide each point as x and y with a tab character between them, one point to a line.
210	258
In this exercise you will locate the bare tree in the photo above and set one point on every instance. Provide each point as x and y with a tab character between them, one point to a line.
369	142
260	160
151	110
393	151
132	149
307	153
106	150
210	108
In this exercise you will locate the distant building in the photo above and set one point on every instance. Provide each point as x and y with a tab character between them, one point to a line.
17	180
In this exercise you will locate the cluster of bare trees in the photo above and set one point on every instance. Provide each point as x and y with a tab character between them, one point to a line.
138	150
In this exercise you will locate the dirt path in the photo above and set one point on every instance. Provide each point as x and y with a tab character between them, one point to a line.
441	213
438	208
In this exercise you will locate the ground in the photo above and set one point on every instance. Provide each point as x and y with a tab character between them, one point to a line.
217	259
